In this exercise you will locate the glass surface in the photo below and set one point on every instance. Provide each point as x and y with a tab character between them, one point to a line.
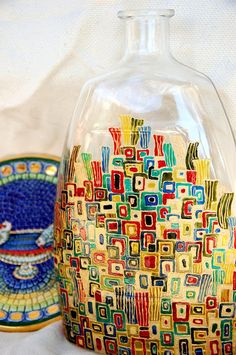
150	128
150	83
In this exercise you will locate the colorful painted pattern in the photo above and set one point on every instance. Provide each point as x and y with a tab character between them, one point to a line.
145	249
28	291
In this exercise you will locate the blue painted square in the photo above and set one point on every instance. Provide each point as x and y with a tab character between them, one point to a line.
199	233
110	330
198	192
180	246
169	186
151	200
90	307
154	329
148	162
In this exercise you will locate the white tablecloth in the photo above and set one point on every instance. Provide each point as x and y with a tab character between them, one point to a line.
47	341
49	47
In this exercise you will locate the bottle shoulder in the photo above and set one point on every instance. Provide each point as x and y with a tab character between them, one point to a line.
149	74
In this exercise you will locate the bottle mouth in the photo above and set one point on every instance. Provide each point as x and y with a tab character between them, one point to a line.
130	14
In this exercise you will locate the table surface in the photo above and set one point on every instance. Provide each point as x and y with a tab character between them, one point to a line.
46	341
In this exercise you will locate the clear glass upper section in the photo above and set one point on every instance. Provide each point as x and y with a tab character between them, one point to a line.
173	99
134	14
147	32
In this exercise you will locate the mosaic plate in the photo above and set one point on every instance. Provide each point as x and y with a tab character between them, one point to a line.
28	291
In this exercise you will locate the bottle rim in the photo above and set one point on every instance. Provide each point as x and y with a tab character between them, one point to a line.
130	14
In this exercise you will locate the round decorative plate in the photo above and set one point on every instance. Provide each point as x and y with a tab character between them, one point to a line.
28	290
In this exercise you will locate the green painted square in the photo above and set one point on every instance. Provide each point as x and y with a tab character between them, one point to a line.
169	342
103	313
234	296
106	180
174	226
158	208
172	285
129	280
190	294
119	206
226	323
93	273
218	257
166	307
76	328
178	331
128	184
118	161
122	315
82	310
110	282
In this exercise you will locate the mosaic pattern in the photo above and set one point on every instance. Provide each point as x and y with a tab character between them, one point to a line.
28	292
145	249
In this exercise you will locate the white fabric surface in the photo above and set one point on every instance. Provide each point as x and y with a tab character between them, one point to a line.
49	47
48	341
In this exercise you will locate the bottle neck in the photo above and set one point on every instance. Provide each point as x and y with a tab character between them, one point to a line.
147	36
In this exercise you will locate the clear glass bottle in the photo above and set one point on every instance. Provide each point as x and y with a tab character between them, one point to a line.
144	226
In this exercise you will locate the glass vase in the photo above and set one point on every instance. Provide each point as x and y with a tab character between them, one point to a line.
145	232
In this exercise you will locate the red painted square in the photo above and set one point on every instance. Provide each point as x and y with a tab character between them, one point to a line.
116	267
140	152
80	192
148	221
197	247
191	176
112	226
144	334
228	349
123	211
148	238
167	338
99	257
171	234
210	244
150	261
161	164
118	320
110	346
117	181
98	296
129	152
166	197
98	344
80	341
100	194
214	347
120	243
234	280
211	302
181	311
